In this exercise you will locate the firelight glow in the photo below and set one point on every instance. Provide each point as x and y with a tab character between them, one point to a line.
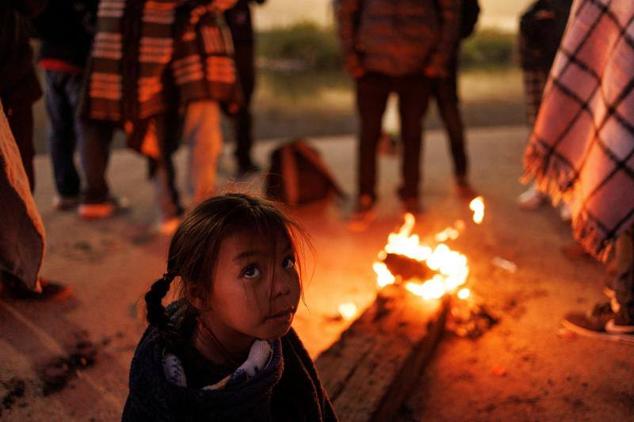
451	267
477	206
464	293
348	310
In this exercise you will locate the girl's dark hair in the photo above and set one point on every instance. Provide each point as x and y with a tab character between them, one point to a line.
194	248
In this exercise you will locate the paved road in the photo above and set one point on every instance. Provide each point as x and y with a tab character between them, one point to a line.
523	369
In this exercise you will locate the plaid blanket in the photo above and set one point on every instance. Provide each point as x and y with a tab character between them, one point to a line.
149	56
581	150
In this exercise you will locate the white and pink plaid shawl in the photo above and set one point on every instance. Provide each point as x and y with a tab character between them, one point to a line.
581	150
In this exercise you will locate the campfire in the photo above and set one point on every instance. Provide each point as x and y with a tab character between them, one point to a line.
429	270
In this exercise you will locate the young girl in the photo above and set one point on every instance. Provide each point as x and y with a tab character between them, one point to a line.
226	349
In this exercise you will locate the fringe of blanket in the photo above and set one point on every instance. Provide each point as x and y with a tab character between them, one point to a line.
557	180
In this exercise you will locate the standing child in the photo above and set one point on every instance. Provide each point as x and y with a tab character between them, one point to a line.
226	349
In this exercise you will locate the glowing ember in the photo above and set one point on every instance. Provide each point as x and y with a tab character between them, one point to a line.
464	294
477	206
347	311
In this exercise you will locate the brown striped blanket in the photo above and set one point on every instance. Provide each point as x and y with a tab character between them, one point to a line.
582	146
150	54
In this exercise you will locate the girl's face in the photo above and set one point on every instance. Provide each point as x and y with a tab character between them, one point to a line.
254	289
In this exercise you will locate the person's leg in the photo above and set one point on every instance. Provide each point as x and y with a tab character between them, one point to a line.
243	121
446	93
413	92
372	94
164	174
20	120
61	107
624	280
534	82
94	148
201	129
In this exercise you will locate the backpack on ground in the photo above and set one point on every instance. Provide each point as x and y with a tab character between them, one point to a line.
298	175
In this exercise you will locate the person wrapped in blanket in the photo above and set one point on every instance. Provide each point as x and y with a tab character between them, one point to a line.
226	350
541	27
164	85
581	152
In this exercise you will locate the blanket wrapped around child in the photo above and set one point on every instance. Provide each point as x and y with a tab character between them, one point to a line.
285	388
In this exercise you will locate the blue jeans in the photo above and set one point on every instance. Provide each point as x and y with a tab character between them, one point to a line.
63	93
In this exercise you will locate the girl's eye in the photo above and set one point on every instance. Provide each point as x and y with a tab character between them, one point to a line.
251	271
289	262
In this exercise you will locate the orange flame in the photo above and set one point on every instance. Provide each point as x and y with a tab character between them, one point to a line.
451	267
477	206
347	310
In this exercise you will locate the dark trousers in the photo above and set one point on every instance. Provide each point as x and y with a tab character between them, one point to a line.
445	91
20	118
63	93
95	155
373	90
243	121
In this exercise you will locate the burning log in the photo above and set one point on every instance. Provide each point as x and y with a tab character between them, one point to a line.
406	268
371	369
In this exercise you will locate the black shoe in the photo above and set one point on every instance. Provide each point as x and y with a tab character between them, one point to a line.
602	323
413	206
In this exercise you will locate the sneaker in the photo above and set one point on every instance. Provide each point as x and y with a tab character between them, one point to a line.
363	213
65	203
101	210
565	213
602	322
167	227
45	290
531	199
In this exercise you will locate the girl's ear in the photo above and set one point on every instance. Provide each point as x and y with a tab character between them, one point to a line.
196	296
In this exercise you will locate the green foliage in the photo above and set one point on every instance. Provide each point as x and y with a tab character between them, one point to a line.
306	43
488	48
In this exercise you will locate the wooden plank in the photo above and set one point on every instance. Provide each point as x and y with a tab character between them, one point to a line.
372	368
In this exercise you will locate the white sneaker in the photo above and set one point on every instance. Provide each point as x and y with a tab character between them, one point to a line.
531	199
565	213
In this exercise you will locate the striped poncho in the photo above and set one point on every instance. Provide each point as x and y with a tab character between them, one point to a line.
149	55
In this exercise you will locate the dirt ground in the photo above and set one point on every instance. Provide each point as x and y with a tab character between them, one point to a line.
524	368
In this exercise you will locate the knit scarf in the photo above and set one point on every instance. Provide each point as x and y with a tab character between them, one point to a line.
277	381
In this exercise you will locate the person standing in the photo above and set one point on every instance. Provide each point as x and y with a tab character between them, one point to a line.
541	29
19	87
445	92
394	47
204	74
129	88
65	29
581	149
240	23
